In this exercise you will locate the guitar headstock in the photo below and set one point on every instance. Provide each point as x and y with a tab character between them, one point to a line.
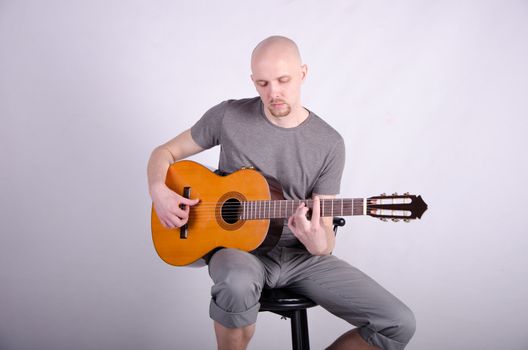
396	207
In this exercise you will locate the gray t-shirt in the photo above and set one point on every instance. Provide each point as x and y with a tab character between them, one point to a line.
306	159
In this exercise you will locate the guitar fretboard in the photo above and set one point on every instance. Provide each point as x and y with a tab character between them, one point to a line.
275	209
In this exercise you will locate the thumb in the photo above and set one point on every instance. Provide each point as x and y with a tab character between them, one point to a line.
187	201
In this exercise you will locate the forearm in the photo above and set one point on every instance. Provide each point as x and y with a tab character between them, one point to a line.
159	162
182	146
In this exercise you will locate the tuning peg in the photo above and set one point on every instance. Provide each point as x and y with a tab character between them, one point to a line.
395	194
406	194
383	219
395	220
407	220
383	194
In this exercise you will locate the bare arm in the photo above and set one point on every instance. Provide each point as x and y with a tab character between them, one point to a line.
316	234
166	202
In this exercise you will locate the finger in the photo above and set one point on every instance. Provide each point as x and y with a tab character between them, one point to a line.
316	210
167	224
181	213
176	221
291	223
187	201
300	223
301	212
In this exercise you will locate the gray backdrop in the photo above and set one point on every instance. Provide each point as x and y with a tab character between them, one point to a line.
429	96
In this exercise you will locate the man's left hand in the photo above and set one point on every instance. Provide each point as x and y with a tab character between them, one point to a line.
312	233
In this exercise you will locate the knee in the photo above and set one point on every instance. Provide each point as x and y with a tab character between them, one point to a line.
240	285
237	291
238	279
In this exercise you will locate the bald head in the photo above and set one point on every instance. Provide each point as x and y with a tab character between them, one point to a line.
277	72
276	48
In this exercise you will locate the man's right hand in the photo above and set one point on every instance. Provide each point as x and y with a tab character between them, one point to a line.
167	205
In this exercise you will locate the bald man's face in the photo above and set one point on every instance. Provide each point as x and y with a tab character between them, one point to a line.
278	77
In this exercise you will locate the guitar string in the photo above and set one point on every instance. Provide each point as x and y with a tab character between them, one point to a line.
237	210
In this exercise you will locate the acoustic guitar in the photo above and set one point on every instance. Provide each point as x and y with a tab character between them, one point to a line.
246	210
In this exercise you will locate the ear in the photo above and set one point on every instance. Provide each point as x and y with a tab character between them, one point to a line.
304	72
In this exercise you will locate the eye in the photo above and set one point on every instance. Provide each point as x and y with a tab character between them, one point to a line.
284	79
262	83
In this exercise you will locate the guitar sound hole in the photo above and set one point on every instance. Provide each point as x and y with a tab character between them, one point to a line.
231	210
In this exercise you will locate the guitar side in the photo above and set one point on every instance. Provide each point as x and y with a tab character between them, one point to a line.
207	227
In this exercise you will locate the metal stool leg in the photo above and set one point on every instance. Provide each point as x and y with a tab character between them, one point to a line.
299	329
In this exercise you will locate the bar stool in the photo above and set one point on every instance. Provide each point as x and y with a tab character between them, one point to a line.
287	304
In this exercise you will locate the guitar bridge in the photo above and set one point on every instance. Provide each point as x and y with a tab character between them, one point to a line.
184	229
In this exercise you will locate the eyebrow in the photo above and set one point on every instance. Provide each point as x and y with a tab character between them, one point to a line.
282	77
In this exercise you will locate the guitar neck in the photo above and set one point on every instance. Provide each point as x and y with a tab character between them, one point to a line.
277	209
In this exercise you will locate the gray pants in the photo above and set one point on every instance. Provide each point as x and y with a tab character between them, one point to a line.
343	290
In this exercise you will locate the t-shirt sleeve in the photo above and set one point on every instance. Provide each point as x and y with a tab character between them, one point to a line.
207	132
329	182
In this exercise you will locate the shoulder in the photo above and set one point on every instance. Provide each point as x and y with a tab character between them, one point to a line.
232	106
324	131
243	104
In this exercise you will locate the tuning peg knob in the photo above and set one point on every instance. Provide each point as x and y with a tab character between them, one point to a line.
395	194
406	220
383	219
407	194
383	194
395	220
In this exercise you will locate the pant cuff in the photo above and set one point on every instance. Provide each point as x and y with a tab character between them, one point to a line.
233	319
374	338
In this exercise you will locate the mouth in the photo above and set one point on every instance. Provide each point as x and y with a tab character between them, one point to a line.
278	103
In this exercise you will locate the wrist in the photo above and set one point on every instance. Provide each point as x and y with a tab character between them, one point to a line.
156	188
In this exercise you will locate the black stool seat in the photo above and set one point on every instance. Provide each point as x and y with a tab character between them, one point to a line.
283	300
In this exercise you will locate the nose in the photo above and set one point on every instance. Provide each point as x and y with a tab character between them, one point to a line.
274	90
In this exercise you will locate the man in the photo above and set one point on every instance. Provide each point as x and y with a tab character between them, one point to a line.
281	138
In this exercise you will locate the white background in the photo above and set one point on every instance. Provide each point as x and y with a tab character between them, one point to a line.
431	98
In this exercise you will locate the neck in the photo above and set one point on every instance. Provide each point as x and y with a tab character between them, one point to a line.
286	208
295	118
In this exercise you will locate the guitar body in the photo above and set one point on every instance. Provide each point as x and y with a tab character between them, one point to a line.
210	225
